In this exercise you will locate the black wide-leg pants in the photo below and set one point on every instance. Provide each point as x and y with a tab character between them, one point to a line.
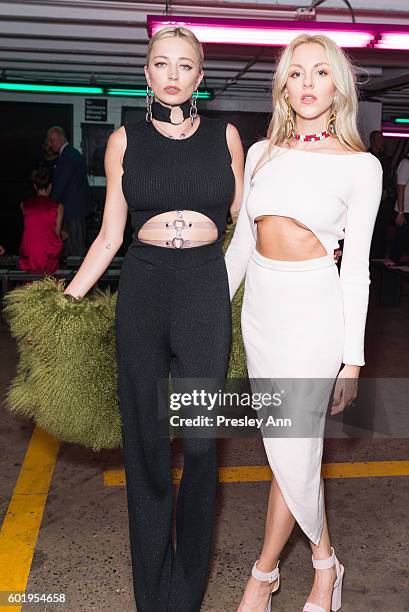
172	317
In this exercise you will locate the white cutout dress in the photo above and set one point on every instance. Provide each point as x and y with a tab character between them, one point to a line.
301	319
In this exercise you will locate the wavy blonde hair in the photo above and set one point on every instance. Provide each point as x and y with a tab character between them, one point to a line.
345	105
178	32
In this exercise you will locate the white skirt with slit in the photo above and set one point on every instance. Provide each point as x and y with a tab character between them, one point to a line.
293	332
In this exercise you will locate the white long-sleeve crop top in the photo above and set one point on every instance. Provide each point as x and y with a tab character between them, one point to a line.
337	197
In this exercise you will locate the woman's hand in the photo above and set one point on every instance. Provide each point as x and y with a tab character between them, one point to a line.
71	298
346	388
400	219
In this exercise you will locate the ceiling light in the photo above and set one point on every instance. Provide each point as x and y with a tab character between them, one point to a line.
281	32
396	134
263	32
37	88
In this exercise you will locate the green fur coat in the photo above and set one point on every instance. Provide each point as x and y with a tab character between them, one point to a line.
66	374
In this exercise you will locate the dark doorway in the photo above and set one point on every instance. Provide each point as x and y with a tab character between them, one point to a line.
22	130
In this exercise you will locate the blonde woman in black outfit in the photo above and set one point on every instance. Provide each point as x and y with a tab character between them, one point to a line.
179	174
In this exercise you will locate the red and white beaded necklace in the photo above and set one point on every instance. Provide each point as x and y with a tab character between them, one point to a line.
312	137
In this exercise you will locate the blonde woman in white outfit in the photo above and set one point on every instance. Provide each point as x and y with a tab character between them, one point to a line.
308	185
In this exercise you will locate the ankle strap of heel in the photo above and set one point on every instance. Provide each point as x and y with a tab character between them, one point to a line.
324	563
265	576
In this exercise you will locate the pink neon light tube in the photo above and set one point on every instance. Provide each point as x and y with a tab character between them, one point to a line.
394	40
258	32
396	134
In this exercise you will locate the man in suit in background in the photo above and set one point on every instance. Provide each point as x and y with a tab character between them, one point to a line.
385	212
70	188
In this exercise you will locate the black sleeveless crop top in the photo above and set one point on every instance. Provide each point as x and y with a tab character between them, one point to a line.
163	174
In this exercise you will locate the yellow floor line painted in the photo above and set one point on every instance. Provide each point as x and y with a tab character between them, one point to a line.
256	473
21	525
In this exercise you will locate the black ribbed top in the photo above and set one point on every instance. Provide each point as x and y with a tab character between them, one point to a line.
163	174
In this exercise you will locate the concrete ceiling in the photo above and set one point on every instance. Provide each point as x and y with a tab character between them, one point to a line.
78	41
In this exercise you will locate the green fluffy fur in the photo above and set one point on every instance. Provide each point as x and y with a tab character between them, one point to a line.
66	375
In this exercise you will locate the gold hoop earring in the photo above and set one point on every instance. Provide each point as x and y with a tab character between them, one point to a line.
331	123
289	126
149	100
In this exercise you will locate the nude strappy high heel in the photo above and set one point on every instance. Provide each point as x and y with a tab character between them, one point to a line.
267	577
337	589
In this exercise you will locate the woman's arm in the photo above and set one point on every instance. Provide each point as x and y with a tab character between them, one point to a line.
60	215
362	210
242	243
237	164
402	182
400	194
110	237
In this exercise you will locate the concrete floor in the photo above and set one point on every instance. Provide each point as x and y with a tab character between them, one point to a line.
82	548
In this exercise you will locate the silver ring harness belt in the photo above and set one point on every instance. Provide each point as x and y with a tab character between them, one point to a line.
178	224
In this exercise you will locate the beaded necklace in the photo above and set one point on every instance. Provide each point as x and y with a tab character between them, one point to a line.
312	137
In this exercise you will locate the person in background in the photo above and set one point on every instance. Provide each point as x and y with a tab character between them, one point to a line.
377	148
41	244
49	158
401	239
70	187
385	213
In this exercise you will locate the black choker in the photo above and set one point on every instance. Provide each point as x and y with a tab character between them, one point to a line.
175	115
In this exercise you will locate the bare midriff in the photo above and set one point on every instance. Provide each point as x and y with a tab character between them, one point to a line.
179	229
286	239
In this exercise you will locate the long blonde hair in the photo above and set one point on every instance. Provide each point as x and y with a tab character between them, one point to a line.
178	32
346	99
